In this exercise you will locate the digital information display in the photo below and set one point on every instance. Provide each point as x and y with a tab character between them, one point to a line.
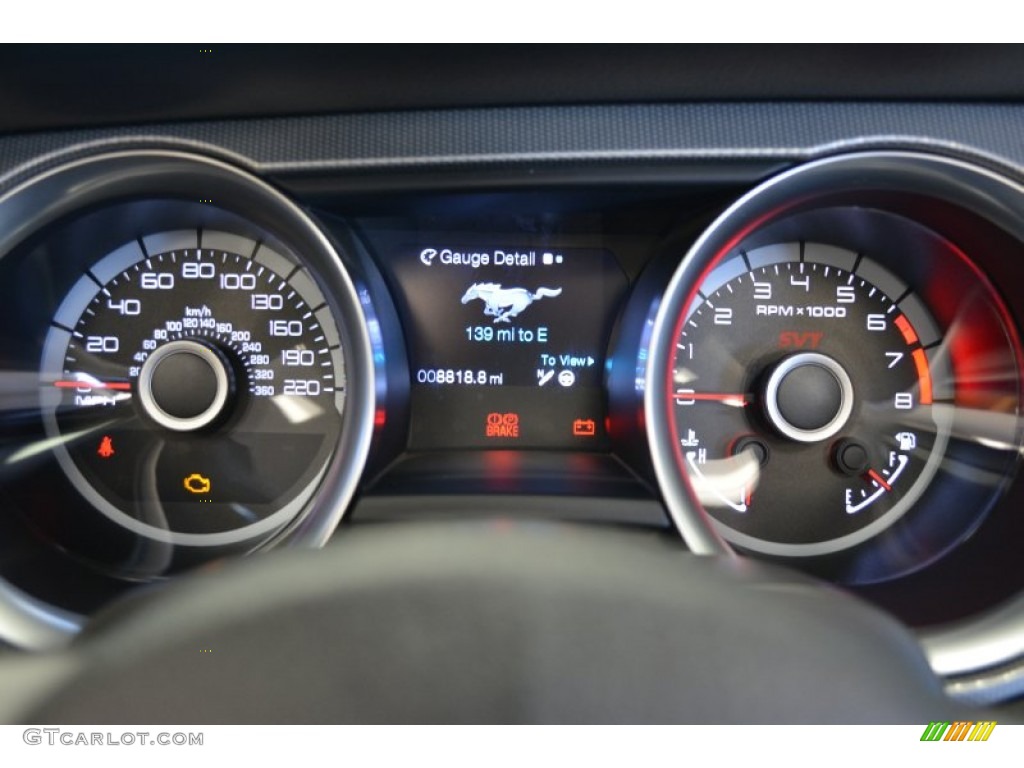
507	344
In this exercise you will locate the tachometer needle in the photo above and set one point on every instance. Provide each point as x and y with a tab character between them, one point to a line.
872	475
729	398
123	386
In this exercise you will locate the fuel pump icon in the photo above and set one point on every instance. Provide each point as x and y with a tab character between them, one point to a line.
907	441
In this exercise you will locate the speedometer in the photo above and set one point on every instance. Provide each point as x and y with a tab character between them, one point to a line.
195	377
193	386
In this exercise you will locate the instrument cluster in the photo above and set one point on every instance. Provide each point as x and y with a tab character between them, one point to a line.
823	371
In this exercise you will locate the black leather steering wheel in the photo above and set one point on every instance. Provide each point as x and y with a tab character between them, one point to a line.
494	622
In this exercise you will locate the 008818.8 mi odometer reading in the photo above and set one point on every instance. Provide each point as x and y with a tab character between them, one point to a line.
193	386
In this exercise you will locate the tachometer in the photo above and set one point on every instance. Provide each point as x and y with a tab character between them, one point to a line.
830	377
794	377
193	387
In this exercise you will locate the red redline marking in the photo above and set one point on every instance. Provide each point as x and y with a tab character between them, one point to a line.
906	329
123	386
924	376
878	479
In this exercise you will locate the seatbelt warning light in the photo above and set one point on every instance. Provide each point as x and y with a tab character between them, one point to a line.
106	449
584	428
502	425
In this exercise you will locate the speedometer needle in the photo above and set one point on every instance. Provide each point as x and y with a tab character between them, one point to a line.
123	386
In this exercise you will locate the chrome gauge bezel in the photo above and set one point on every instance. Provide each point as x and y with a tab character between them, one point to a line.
177	423
180	178
846	397
876	179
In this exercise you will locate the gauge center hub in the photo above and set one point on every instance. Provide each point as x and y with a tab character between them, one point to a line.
808	397
184	385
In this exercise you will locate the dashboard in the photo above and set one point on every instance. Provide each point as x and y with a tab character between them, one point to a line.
784	331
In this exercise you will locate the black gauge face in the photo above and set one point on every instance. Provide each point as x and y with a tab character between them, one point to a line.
193	387
807	405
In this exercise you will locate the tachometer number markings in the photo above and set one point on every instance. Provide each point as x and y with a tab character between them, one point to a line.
816	364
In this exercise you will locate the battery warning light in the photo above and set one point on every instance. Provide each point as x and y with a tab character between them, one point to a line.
106	449
584	428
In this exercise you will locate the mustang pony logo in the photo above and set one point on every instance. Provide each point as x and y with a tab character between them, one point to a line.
505	303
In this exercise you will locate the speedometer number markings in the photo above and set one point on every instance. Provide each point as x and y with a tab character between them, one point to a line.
195	358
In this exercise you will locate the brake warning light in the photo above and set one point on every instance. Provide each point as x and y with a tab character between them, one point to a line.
502	425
